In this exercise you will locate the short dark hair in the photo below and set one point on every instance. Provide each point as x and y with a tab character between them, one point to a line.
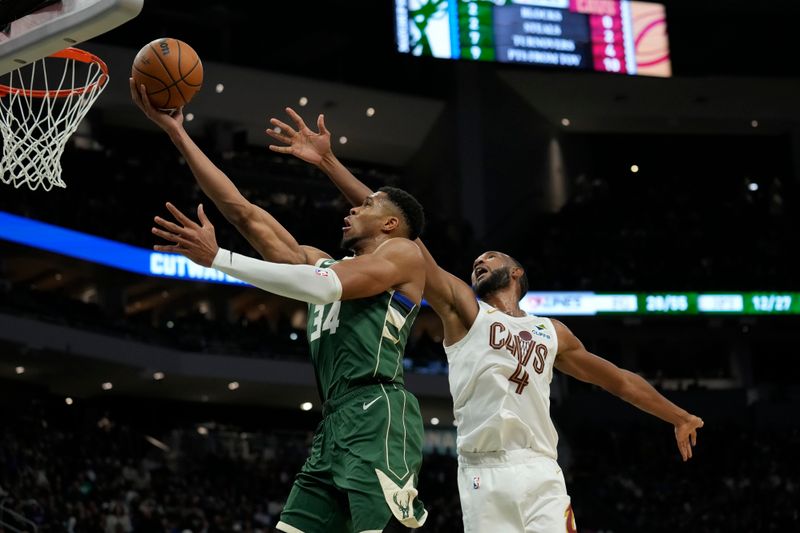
523	279
409	207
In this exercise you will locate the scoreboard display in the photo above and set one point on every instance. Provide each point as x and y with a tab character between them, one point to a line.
677	303
616	36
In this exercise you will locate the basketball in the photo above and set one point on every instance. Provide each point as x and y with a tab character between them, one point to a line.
170	70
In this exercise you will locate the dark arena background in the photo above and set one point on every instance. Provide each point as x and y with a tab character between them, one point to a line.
656	215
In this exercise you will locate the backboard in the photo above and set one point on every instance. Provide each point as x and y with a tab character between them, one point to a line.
59	25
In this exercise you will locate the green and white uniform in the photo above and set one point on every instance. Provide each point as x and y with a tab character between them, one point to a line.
367	451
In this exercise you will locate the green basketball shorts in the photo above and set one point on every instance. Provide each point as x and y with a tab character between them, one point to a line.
364	465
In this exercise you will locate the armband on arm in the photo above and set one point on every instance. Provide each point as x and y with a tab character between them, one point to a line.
299	282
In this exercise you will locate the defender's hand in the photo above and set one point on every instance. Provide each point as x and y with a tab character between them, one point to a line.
686	435
194	241
303	143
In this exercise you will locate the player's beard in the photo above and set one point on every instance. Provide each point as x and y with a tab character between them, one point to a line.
495	281
349	242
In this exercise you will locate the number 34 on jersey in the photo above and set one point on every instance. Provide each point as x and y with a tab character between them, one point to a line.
330	322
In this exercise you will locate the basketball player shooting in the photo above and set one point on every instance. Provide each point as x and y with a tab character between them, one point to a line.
501	364
367	452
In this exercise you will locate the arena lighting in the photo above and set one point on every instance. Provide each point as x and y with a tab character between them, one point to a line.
303	101
754	123
634	168
202	430
20	370
219	88
370	111
293	336
753	186
68	400
189	117
107	385
157	443
233	385
565	122
342	140
158	376
434	421
306	406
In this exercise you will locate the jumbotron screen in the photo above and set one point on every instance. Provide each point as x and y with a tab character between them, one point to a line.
618	36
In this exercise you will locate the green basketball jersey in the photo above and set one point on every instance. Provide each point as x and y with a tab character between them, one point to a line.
357	342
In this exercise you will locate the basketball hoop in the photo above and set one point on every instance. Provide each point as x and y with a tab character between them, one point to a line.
41	110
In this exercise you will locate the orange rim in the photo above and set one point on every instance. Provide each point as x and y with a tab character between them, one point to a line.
68	53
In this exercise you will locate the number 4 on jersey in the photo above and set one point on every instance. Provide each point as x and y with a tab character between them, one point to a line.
520	377
331	322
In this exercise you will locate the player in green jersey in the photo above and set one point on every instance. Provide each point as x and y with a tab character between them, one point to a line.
367	451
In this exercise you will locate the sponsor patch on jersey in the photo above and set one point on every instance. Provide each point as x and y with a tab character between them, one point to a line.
322	272
540	331
476	482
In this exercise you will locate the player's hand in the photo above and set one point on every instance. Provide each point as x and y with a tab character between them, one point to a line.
194	241
686	435
303	143
166	120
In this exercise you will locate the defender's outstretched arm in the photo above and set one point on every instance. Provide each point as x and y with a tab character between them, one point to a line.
575	360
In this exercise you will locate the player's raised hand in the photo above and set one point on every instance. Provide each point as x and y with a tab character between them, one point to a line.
686	435
166	120
301	141
190	239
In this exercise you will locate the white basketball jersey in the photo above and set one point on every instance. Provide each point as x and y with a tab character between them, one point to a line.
500	375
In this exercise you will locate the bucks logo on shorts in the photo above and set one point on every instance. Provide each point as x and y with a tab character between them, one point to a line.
400	499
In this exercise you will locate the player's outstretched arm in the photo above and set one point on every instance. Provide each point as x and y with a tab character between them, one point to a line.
575	360
451	298
261	229
397	264
315	148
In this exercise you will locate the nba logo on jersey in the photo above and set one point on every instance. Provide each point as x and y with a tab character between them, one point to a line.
476	482
321	272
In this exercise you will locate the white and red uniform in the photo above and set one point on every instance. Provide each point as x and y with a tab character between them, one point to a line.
500	373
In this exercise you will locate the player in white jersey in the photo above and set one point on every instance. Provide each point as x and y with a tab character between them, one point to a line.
501	364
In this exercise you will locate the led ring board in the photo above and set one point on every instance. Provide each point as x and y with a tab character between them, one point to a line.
71	243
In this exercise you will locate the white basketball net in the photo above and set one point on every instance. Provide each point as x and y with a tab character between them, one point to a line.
40	112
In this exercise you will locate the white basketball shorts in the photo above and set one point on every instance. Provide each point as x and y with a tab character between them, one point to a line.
512	492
